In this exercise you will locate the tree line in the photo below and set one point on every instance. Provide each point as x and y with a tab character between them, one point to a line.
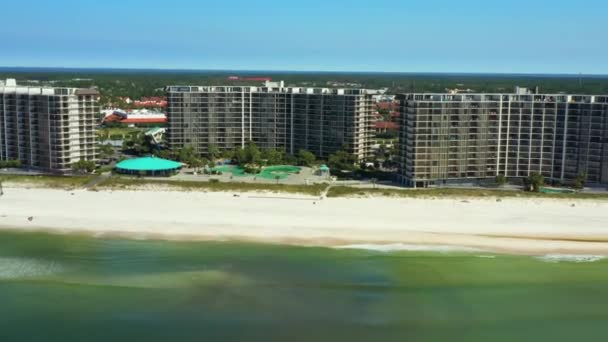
138	83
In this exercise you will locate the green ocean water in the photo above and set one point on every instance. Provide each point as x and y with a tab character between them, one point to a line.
75	288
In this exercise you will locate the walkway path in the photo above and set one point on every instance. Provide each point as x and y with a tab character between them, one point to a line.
100	178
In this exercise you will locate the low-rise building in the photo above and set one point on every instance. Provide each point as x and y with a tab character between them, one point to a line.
141	116
386	126
151	102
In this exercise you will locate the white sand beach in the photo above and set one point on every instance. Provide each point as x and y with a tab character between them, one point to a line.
514	225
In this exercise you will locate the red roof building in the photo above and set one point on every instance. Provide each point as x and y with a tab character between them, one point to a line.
385	126
144	121
137	117
160	102
387	105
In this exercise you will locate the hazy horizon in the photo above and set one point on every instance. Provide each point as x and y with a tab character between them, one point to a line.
280	71
470	36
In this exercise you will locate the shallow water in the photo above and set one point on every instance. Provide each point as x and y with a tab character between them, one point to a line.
74	288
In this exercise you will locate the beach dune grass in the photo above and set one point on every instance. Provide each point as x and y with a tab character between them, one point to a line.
55	182
122	182
346	191
126	183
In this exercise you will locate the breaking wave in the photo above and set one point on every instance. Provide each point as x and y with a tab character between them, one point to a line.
15	268
571	258
396	247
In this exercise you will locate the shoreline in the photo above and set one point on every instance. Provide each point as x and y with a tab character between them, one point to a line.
468	243
528	226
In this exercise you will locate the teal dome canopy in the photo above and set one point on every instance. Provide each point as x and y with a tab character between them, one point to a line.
148	164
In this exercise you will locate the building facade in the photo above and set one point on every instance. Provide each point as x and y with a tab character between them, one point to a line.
47	128
472	137
319	120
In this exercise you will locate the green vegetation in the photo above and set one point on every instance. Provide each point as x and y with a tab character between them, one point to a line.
389	135
56	182
386	152
139	83
273	156
306	158
342	161
501	180
213	152
83	166
250	155
251	158
121	182
10	164
137	143
579	182
126	182
104	169
534	182
105	151
188	156
253	155
386	114
346	191
116	133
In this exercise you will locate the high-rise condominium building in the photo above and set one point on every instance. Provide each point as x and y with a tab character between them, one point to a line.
319	120
47	128
470	137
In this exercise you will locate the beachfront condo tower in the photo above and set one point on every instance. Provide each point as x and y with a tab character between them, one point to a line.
47	128
449	138
320	120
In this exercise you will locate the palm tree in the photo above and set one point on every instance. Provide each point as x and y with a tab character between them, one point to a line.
213	152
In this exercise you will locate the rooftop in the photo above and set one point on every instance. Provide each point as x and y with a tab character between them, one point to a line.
11	86
494	97
270	87
148	164
386	125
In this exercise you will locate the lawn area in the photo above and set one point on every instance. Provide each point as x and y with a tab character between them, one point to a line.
345	191
55	182
126	182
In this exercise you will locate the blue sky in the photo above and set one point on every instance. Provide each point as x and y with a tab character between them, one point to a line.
382	35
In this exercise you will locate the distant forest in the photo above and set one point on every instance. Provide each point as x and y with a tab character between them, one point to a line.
135	84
